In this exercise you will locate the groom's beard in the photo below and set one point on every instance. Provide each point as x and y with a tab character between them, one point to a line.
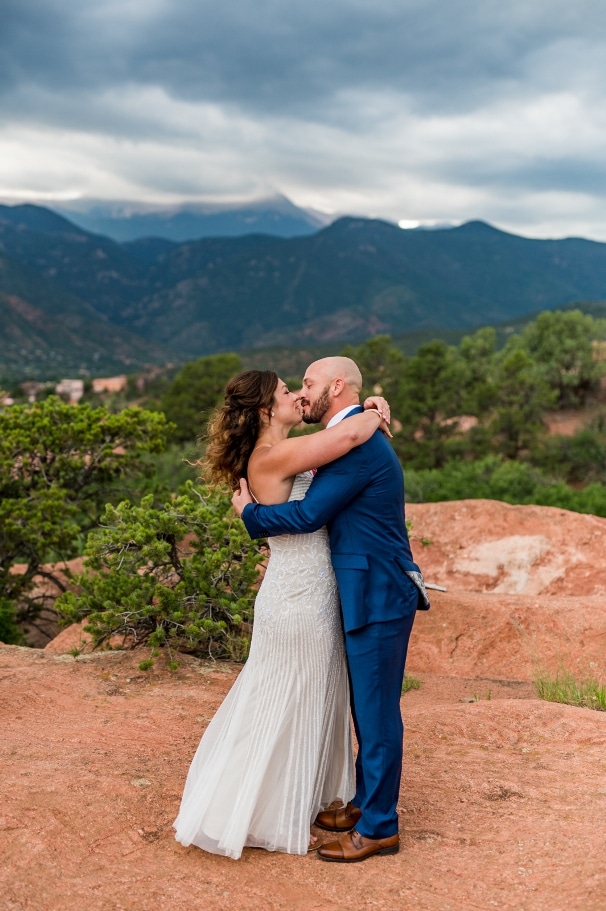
319	408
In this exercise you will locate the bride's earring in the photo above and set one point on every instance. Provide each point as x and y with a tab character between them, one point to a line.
273	415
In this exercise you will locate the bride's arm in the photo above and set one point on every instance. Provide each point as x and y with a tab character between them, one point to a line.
296	454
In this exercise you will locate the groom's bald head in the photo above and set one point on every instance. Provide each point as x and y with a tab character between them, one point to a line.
340	368
329	385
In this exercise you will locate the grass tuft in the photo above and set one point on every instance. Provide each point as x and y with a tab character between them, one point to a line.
477	698
565	688
410	683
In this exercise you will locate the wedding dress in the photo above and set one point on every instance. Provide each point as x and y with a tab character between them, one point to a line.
279	748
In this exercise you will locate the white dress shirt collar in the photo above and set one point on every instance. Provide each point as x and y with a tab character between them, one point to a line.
340	415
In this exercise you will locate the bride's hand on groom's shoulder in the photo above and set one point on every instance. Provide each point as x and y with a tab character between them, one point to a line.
378	403
241	497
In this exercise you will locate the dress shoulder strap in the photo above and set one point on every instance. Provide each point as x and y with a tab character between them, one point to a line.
252	494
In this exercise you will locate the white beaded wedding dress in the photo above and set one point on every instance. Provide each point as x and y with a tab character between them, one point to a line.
279	748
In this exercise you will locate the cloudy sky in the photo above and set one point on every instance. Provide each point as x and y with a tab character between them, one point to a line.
412	110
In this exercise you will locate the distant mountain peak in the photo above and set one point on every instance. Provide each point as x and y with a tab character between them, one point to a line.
477	226
183	222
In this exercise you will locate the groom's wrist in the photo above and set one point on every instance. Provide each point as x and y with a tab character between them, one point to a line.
252	526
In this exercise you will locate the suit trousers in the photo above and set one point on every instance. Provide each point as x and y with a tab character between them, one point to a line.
376	656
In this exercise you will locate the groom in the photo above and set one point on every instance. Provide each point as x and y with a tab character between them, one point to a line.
360	497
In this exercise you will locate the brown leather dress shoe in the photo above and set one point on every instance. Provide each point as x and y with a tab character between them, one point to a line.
341	820
353	847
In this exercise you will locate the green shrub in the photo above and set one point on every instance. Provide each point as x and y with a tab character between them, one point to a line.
59	465
457	480
10	631
579	459
495	478
516	482
181	575
591	499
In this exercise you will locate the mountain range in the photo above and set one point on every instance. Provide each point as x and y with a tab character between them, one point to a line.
71	300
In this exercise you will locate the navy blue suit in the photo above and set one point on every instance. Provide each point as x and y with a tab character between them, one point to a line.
360	497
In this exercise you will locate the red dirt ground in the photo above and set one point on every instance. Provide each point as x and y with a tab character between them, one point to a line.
503	797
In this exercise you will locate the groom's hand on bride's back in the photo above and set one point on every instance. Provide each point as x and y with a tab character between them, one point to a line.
241	497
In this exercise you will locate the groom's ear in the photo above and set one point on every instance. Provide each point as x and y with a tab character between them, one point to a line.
338	385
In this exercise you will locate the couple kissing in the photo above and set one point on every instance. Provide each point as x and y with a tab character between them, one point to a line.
333	618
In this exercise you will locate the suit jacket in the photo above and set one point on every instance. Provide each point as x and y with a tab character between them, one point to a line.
360	498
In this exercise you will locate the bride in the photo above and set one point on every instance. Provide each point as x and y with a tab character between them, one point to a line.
279	748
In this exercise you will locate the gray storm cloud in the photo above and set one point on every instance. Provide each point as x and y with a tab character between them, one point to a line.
468	99
275	57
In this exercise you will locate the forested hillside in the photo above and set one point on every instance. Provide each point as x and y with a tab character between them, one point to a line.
353	280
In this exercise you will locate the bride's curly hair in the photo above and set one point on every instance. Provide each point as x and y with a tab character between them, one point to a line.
234	427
